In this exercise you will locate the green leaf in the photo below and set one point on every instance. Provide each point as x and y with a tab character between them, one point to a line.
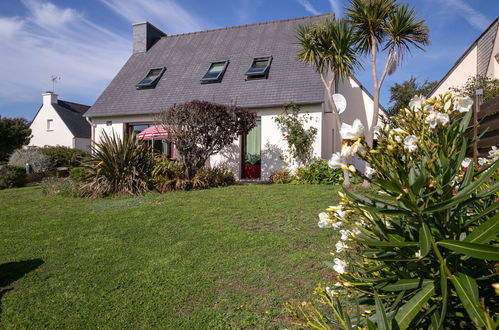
382	320
486	232
489	209
468	300
444	292
406	284
470	286
478	251
424	239
387	244
412	307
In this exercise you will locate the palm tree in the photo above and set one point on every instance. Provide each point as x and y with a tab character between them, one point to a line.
392	26
330	47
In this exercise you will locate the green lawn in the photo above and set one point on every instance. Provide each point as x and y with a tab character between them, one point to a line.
219	258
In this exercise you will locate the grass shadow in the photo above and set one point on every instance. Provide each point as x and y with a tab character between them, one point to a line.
13	271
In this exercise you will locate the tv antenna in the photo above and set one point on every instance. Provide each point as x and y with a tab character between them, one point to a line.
54	80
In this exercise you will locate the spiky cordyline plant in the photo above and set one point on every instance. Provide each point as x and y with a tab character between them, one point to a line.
124	164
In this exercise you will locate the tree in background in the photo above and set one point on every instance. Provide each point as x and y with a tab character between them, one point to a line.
14	133
490	86
330	48
390	26
200	129
401	94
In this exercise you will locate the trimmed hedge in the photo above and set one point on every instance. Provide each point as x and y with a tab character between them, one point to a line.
12	176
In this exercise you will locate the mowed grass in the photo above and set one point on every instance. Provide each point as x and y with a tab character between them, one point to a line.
212	259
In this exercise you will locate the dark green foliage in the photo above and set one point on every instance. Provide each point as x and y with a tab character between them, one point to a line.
38	162
121	165
79	174
200	129
14	133
490	86
64	156
318	172
401	94
12	176
299	138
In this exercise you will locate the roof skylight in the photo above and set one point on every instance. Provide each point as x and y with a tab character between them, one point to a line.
215	72
259	68
151	79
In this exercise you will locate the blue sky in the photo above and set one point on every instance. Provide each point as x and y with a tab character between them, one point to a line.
86	42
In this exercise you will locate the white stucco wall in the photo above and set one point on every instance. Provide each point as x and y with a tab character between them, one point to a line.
460	74
59	136
82	144
493	68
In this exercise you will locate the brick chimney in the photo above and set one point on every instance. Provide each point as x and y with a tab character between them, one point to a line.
49	98
145	35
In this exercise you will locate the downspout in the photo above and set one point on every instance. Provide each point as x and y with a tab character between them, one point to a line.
92	132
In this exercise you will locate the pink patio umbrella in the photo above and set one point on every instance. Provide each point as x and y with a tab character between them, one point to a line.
157	132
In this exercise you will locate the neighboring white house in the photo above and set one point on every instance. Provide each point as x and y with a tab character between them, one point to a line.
252	66
60	123
481	58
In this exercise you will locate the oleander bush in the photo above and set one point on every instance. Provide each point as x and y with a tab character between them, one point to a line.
420	249
38	162
64	156
12	176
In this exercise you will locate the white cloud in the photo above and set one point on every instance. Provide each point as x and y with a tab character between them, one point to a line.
336	7
52	40
308	7
165	14
472	16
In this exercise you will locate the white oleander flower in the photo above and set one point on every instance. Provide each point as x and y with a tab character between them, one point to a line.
418	254
340	214
411	143
443	118
352	132
416	102
344	234
339	265
369	171
340	246
337	224
482	161
324	221
466	162
350	150
336	161
463	104
434	118
397	134
494	153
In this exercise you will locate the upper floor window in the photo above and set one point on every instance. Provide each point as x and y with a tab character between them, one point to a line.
215	72
259	68
151	79
50	124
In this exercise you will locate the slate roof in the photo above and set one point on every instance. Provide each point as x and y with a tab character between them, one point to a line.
72	115
188	56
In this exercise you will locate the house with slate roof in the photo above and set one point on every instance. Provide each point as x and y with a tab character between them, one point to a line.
252	66
481	58
60	123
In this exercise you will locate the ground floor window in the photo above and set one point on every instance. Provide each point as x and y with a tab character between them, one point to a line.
252	154
158	146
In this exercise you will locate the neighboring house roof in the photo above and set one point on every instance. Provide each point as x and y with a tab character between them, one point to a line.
187	58
72	115
485	44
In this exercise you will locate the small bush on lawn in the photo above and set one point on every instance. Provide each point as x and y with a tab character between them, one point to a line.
282	176
420	251
79	174
12	176
64	187
37	161
121	166
64	156
168	175
318	172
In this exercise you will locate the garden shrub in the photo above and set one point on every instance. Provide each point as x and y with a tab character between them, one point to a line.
37	161
65	187
78	174
64	156
120	165
318	172
12	176
282	176
420	250
216	177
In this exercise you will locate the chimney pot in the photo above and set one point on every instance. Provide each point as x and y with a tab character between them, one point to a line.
49	98
145	36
